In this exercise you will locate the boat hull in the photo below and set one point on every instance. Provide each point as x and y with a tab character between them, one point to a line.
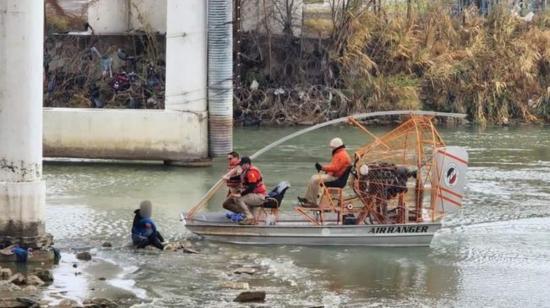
295	232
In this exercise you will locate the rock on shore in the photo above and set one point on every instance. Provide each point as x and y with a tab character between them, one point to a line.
85	256
252	296
45	275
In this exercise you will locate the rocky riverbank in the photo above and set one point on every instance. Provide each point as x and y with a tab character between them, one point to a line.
77	281
84	279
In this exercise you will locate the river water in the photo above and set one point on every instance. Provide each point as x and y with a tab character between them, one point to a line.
494	252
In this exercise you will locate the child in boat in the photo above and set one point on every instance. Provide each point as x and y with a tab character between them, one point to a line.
144	230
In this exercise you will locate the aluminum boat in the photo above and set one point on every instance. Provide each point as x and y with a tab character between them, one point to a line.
396	193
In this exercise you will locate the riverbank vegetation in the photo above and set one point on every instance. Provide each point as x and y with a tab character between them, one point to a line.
428	55
352	56
111	71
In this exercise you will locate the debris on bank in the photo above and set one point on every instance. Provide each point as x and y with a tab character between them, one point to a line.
236	285
184	246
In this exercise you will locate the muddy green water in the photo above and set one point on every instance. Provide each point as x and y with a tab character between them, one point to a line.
495	252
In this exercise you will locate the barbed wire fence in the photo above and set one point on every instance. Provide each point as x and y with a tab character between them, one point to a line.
296	105
284	76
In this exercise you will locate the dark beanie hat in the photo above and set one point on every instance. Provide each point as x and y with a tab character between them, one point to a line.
245	160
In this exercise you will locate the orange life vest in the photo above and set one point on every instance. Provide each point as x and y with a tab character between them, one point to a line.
254	176
339	163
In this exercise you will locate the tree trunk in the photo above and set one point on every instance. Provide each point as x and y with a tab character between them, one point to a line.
268	33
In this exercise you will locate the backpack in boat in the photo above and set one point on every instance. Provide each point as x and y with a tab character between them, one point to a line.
274	198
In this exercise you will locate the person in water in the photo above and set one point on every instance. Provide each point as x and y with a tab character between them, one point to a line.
335	169
144	230
252	193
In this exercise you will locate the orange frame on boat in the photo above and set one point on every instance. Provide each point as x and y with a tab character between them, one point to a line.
410	146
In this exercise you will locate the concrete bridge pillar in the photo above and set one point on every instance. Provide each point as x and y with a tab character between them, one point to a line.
22	191
186	56
199	65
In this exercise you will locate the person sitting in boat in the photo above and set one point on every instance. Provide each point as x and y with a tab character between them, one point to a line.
144	230
252	194
233	178
335	169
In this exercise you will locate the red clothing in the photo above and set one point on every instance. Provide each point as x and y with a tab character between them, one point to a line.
253	176
339	163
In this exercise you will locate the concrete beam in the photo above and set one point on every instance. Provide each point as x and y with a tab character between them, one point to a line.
121	16
109	16
125	134
148	15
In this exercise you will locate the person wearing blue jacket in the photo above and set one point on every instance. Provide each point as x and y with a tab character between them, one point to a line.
144	230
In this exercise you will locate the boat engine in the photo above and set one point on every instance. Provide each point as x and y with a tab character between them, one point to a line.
384	180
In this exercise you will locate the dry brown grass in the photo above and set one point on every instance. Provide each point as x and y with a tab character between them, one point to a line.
495	68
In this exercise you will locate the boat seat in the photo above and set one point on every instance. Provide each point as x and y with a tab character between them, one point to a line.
332	199
341	181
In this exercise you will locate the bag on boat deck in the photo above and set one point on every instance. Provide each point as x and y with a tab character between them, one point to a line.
349	219
275	196
235	217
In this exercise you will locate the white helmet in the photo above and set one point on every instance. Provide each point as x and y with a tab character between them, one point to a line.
335	142
364	170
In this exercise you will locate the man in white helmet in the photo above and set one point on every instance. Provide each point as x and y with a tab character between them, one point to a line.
335	169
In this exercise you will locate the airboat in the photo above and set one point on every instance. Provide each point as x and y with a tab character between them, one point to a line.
396	193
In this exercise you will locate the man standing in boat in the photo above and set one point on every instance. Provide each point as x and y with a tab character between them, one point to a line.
337	167
252	194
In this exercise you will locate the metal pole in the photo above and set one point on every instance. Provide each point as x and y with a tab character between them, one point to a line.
238	37
220	76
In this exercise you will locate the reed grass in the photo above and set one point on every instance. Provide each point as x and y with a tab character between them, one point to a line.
495	68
